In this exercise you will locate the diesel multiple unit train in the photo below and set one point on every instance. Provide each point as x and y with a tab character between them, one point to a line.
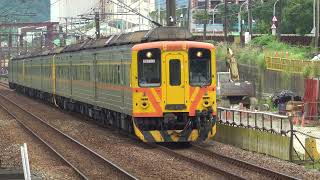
158	84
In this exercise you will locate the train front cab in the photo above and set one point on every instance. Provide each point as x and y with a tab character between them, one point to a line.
174	97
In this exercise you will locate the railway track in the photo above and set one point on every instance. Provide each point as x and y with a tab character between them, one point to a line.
190	155
4	84
243	164
87	163
226	166
228	174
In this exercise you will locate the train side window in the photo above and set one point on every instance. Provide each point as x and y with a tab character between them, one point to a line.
175	72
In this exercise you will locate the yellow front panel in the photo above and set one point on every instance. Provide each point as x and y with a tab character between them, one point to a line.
175	91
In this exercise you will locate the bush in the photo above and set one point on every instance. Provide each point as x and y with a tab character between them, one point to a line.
307	71
263	40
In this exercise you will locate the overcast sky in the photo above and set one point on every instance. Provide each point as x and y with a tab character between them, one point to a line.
71	8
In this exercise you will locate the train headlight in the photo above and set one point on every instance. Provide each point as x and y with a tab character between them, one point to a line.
149	54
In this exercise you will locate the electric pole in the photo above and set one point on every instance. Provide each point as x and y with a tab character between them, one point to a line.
171	12
205	20
225	27
316	41
97	22
280	20
189	15
250	18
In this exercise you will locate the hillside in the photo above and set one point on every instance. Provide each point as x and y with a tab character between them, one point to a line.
15	10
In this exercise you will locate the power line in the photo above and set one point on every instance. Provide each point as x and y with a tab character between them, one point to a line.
55	2
134	11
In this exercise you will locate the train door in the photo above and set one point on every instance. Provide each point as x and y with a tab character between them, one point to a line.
174	80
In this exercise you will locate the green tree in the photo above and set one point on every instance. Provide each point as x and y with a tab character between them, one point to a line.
201	16
232	16
298	17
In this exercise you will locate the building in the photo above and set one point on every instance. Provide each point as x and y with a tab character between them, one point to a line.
215	24
16	14
125	19
114	16
71	8
182	12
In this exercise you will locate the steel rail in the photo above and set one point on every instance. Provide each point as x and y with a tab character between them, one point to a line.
4	84
119	170
244	164
228	174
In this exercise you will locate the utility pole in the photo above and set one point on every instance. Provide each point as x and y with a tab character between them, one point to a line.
171	12
103	9
250	18
97	22
189	15
280	20
205	20
317	27
225	27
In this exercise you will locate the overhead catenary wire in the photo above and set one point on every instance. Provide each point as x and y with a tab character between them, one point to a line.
123	5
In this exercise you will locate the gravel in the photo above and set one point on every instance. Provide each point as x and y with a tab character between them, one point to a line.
148	163
264	161
136	158
226	166
43	162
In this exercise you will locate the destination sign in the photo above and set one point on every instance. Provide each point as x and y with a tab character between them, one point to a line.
149	61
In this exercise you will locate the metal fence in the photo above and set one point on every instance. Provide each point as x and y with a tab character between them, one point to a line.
272	123
288	65
263	121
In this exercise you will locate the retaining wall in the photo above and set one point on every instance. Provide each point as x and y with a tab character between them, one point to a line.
268	81
254	140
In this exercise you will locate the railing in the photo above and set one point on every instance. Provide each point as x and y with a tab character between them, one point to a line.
288	65
271	123
263	121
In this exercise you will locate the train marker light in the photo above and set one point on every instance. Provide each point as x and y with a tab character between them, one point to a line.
199	54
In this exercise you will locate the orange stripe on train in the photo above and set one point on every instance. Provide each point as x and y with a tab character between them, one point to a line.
196	101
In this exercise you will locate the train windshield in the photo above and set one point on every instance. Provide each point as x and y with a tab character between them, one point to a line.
149	68
199	67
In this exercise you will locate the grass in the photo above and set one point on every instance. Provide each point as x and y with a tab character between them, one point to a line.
254	52
246	55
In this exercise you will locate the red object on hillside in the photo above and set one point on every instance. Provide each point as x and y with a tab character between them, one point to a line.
310	99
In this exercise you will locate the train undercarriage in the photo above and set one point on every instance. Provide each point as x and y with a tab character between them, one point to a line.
172	127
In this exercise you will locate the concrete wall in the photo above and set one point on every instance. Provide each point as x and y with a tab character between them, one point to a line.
253	140
272	81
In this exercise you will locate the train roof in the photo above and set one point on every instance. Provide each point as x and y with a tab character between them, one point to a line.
156	34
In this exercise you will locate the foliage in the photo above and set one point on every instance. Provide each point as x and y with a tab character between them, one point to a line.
297	16
254	53
263	40
316	71
41	9
232	18
201	16
270	43
246	55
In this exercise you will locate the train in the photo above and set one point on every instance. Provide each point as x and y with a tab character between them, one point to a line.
158	84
